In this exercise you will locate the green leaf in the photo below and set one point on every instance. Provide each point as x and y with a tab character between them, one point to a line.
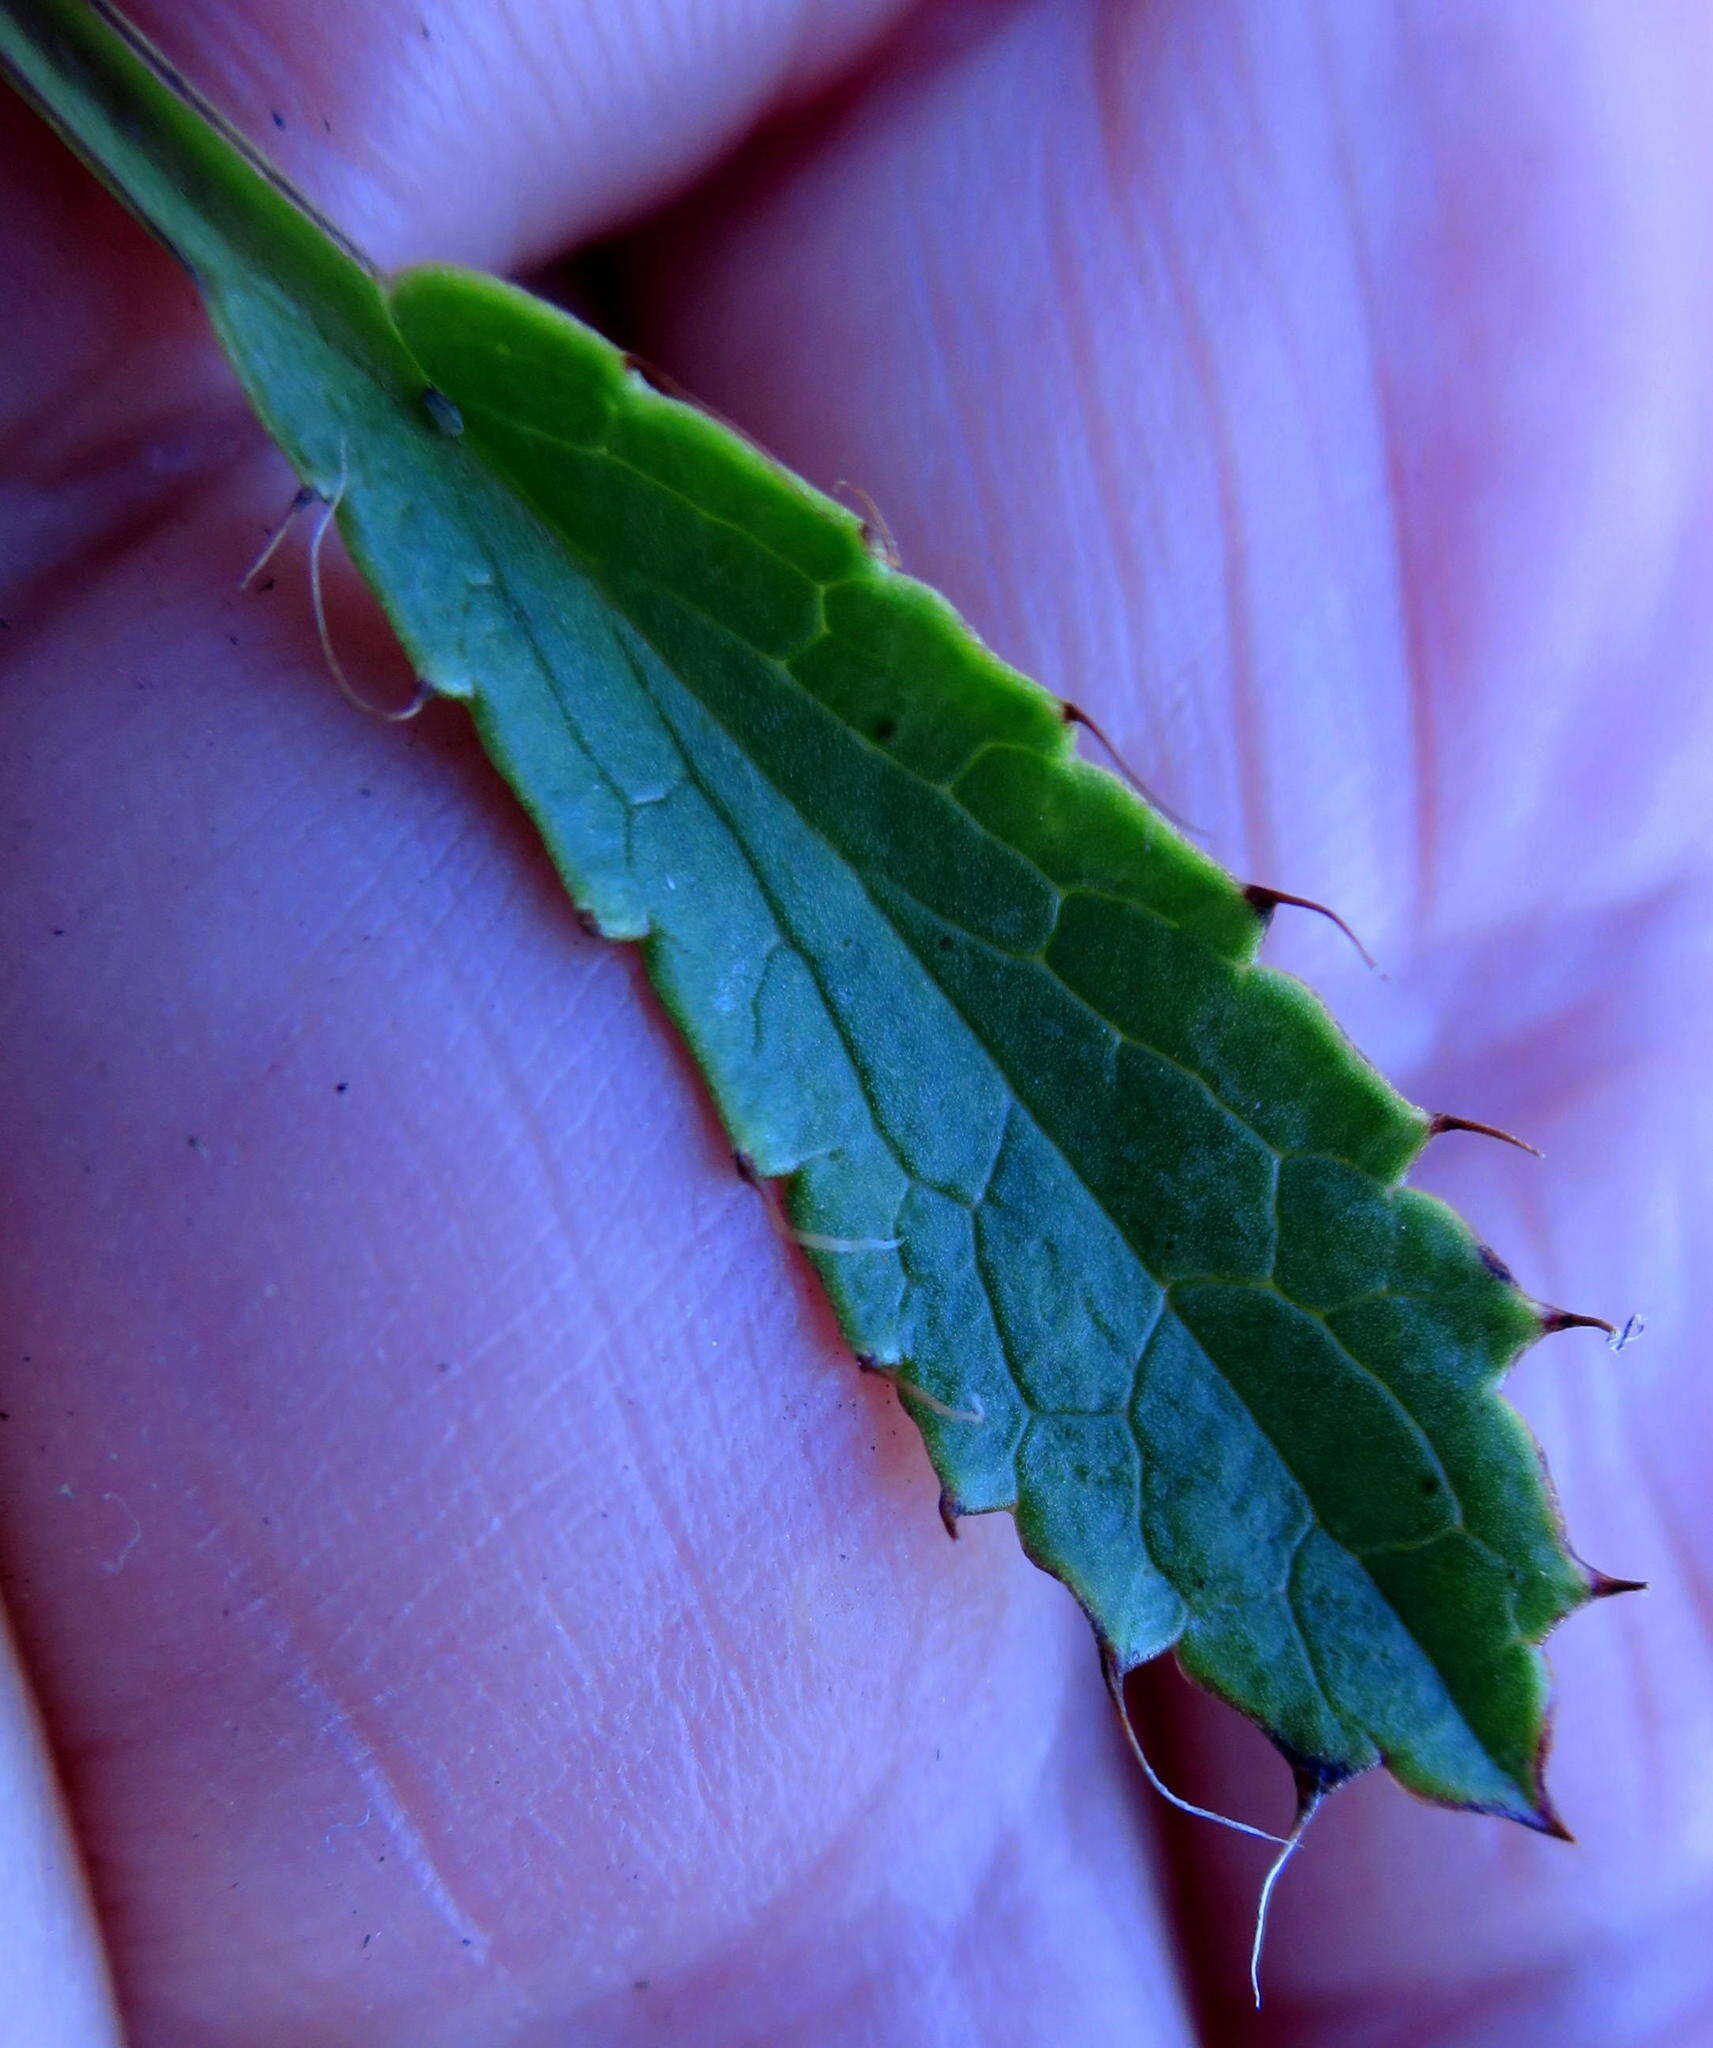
1119	1208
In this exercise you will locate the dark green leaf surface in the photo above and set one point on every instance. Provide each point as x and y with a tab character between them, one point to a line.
1119	1207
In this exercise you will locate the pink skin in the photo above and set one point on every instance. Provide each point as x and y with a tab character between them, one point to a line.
472	1596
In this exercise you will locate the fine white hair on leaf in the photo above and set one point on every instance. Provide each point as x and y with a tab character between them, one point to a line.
422	692
816	1241
1312	1801
1115	1686
876	533
270	546
977	1413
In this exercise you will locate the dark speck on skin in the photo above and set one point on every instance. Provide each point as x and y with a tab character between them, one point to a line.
341	1087
279	118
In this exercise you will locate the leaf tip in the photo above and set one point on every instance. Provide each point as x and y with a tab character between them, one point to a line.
1546	1819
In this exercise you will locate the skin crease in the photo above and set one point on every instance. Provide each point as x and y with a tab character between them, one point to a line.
471	1596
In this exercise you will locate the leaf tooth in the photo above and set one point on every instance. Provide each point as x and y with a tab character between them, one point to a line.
1533	1808
1074	714
1552	1320
1264	901
1602	1586
1439	1123
1541	1814
1313	1776
877	534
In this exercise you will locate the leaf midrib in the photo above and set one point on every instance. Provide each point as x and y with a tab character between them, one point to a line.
1015	1101
1017	1104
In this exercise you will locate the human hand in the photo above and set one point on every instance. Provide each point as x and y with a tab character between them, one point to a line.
471	1594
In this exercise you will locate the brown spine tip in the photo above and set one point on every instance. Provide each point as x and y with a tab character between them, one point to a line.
1602	1586
948	1514
880	545
1555	1319
1074	714
1264	901
876	534
1547	1820
668	386
653	376
868	1363
1439	1124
